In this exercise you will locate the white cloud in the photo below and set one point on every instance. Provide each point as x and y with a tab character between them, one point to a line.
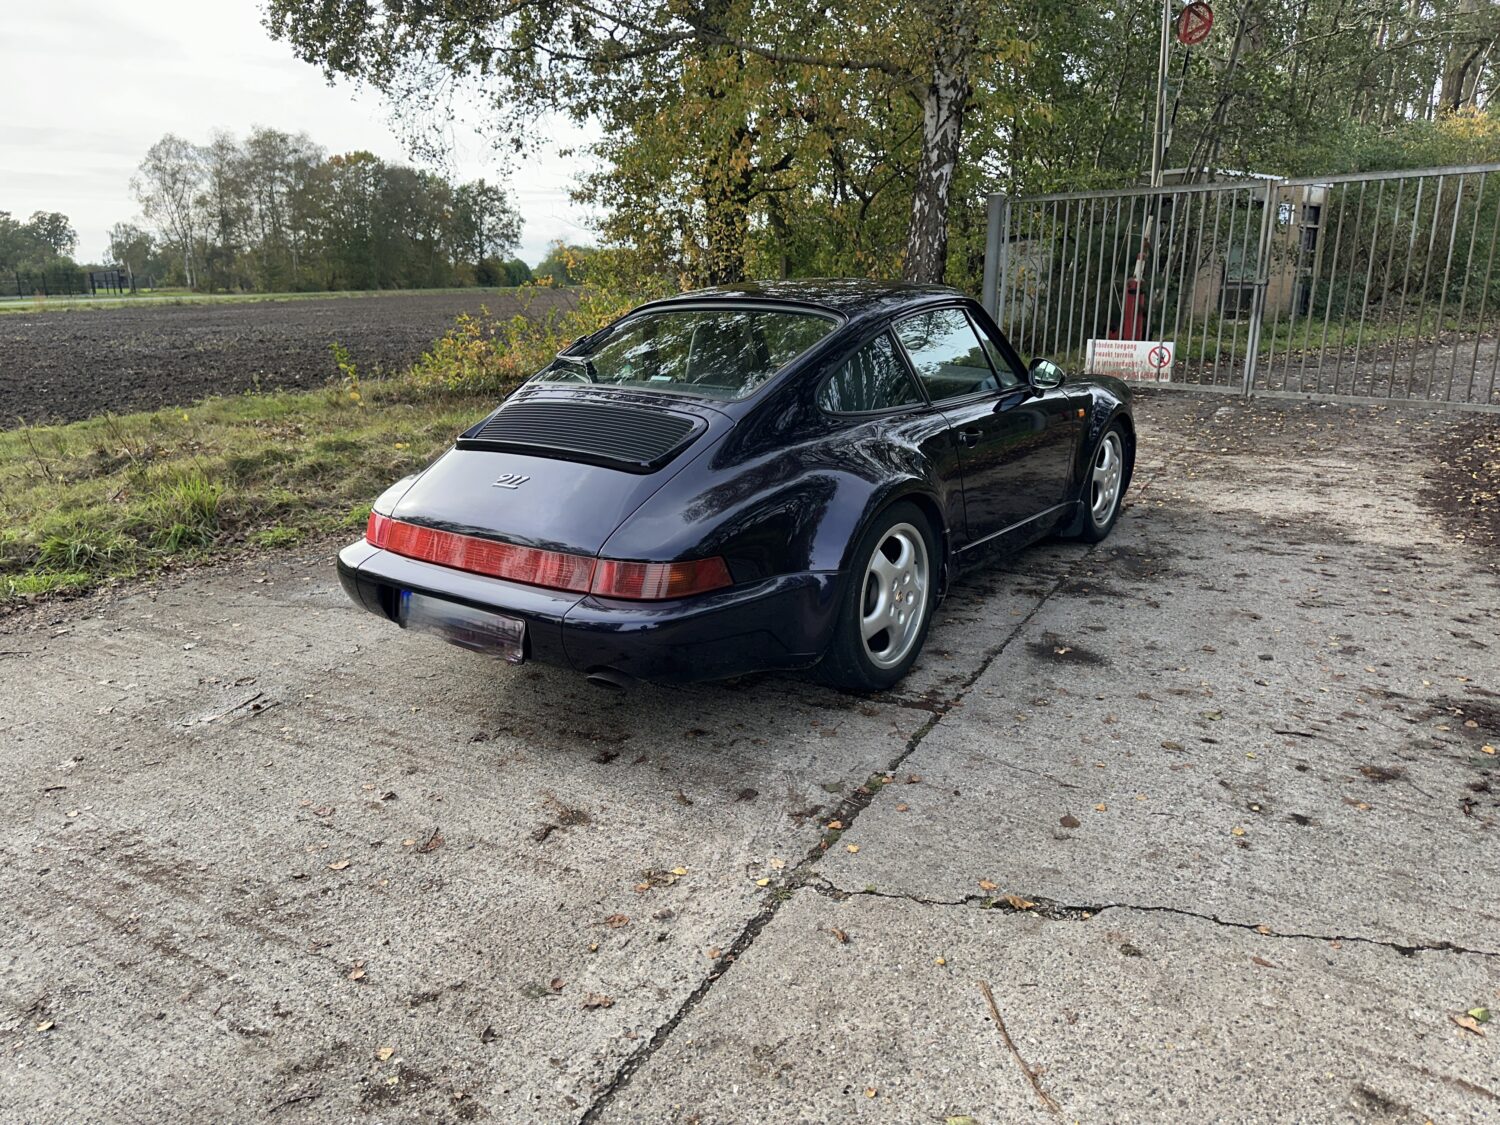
91	86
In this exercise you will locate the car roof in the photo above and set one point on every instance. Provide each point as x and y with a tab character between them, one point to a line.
853	298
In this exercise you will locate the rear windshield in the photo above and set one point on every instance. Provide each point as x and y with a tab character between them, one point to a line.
716	353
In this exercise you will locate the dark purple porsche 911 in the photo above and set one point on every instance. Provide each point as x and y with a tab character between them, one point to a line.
783	475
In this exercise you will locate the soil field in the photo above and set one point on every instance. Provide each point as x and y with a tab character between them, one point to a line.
62	366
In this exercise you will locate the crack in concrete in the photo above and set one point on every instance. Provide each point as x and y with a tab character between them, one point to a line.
1055	911
846	813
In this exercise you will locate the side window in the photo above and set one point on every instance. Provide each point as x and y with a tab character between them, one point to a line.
947	355
874	378
1004	372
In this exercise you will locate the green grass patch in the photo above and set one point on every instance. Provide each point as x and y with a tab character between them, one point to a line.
121	495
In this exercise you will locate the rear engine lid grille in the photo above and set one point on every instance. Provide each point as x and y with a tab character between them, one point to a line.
625	437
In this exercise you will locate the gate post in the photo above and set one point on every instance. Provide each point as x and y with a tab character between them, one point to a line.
996	253
1262	281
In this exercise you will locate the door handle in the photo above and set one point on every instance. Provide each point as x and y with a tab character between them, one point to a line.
969	438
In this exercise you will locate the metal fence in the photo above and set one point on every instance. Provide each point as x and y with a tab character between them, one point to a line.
1376	286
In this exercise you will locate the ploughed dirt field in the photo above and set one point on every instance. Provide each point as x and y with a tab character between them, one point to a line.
1197	824
60	366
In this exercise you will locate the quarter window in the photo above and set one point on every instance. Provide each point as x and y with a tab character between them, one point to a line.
874	378
947	355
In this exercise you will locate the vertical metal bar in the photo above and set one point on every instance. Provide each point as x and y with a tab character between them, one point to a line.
996	209
1078	246
1153	269
1053	270
1422	296
1224	284
1484	301
1018	337
1088	270
1276	309
1295	236
1258	303
1102	288
1192	254
1463	293
1359	216
1332	272
1032	335
1015	321
1370	273
1437	336
1062	268
1411	249
1212	264
1186	200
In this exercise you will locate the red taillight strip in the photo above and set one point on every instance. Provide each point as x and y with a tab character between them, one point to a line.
534	567
556	570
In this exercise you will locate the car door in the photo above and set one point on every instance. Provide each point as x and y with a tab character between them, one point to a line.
1015	442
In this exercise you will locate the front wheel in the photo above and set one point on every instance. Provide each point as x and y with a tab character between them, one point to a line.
887	602
1104	486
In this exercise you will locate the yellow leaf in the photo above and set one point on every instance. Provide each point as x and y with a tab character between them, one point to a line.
1101	807
851	848
384	1053
1016	902
679	871
1486	749
988	885
870	1091
1469	1023
778	864
939	960
45	1025
762	882
1236	831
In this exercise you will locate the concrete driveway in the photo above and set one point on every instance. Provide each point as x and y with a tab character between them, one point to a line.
1199	823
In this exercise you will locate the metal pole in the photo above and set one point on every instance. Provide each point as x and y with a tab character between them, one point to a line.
998	211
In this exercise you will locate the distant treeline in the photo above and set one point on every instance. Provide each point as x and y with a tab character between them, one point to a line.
277	213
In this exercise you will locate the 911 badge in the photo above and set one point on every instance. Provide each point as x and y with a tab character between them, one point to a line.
511	480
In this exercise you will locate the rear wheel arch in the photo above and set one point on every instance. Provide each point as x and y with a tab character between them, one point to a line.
928	505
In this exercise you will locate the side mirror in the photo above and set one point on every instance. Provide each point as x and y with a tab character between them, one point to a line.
1045	374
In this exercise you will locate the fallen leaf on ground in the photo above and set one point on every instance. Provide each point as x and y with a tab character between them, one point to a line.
615	921
357	972
851	848
762	882
595	1000
1016	902
432	843
1263	929
1236	831
988	885
835	824
1486	749
556	984
870	1091
903	808
714	953
778	864
1469	1023
1101	807
338	865
1480	1014
839	935
1262	962
1170	745
45	1025
679	871
384	1053
1070	821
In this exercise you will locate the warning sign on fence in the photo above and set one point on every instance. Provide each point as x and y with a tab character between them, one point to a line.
1146	360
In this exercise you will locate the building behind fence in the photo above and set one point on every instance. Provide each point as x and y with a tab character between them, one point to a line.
1374	286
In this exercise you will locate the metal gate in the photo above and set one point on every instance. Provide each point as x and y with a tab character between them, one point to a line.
1368	287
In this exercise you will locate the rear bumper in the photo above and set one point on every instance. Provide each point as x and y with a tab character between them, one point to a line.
781	622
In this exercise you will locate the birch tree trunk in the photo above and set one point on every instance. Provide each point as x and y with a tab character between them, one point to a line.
943	101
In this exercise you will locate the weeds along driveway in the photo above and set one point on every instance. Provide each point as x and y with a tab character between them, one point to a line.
1206	807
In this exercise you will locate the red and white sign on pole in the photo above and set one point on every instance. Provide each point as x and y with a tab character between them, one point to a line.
1194	24
1145	361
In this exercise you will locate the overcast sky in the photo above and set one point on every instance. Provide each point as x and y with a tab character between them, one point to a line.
90	85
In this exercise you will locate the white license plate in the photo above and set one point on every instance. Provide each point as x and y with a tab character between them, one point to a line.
474	629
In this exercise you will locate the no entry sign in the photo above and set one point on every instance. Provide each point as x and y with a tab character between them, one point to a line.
1194	24
1147	361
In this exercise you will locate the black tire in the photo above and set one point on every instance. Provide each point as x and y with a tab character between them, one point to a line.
1109	460
853	663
